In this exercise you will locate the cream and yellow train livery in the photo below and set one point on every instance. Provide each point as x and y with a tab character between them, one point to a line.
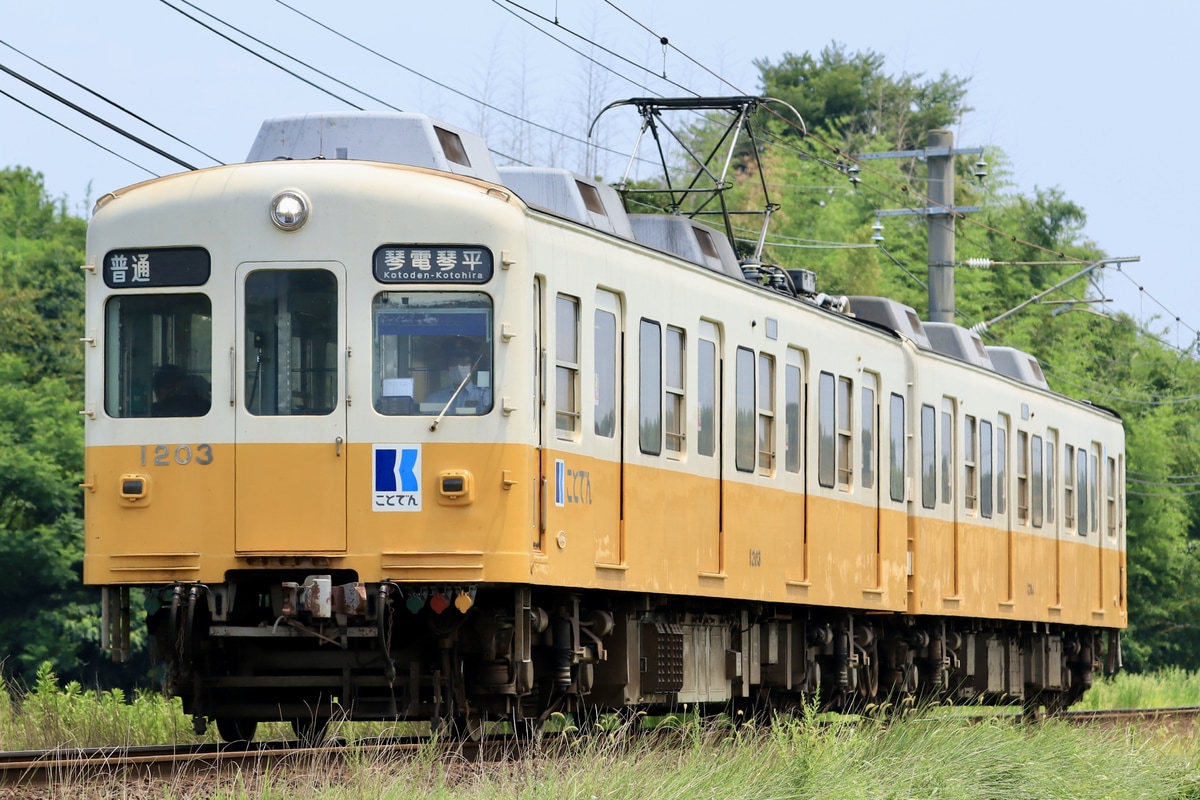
384	431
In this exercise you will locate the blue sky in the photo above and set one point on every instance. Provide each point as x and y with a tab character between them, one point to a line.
1095	98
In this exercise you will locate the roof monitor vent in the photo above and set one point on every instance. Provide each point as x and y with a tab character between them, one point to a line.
566	194
385	136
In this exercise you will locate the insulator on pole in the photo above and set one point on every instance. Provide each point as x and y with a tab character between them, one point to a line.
979	263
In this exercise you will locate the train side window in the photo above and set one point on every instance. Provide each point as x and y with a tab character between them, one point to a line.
1051	475
985	469
970	476
845	460
1022	468
947	450
896	436
605	423
1094	490
867	423
566	366
1069	505
1001	466
424	345
650	428
1081	490
158	355
743	449
706	375
1035	475
792	383
674	398
291	353
766	414
928	456
826	433
1110	494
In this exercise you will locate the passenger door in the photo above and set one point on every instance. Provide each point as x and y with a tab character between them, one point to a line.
290	361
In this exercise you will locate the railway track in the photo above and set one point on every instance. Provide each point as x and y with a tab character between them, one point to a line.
32	768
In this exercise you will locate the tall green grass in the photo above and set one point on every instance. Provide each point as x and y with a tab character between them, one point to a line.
1163	689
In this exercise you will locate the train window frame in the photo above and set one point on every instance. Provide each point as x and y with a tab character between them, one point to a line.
408	355
567	411
1037	477
173	378
947	450
744	456
868	422
793	388
1002	424
987	494
1081	491
1110	495
765	403
650	379
970	466
1069	505
604	346
1051	449
898	442
674	397
826	420
706	397
928	456
1022	472
845	433
1094	489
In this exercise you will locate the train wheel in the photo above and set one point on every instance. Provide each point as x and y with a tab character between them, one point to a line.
236	731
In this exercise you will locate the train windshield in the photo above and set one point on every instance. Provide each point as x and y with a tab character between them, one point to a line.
433	352
158	355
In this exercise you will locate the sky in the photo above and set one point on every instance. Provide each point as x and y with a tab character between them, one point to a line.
1093	98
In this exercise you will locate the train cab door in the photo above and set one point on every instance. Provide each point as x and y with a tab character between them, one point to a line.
869	480
607	479
708	458
290	404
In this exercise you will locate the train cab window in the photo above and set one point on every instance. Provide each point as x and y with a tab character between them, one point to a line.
1022	469
566	366
986	483
766	414
706	384
1110	495
947	450
845	461
606	373
1081	490
867	423
792	382
1069	506
674	405
743	450
650	429
970	475
158	355
291	355
1036	460
928	456
897	438
432	353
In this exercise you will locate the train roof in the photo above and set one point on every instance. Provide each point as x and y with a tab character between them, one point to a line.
569	195
958	342
1018	364
890	314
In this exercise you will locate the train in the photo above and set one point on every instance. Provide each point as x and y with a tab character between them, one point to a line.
378	430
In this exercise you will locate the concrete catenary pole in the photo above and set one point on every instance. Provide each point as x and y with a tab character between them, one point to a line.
941	225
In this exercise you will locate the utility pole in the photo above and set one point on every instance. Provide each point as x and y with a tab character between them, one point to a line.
939	155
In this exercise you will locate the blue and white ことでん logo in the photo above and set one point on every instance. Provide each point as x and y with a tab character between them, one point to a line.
396	477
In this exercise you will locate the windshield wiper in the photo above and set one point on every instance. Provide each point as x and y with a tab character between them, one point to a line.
450	402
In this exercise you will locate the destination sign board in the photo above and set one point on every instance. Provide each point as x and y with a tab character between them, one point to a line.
433	263
156	266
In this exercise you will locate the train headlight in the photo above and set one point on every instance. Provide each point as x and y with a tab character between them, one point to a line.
289	210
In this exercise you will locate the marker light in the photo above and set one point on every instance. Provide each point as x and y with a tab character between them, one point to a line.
289	210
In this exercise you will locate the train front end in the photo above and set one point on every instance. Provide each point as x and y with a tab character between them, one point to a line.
310	437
